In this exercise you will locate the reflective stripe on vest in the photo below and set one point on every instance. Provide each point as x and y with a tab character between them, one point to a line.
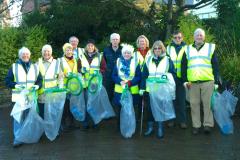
89	69
199	63
133	64
67	69
176	58
49	75
139	58
157	71
22	78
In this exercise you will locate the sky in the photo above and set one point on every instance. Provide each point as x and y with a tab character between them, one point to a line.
16	13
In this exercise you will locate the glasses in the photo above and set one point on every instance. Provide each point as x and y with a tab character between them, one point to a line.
157	48
177	37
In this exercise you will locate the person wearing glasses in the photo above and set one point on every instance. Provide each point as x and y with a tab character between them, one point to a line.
73	40
157	64
200	71
175	51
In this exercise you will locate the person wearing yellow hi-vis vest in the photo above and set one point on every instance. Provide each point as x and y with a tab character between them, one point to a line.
22	75
141	53
200	73
50	70
73	40
90	62
126	72
68	64
156	64
175	51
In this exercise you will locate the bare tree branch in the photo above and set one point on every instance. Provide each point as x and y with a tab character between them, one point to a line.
198	5
7	7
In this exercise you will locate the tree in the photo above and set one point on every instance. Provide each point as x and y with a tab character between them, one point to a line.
177	10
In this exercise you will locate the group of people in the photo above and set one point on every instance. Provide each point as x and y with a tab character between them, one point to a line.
193	67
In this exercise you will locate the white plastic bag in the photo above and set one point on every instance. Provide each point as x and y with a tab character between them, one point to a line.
22	104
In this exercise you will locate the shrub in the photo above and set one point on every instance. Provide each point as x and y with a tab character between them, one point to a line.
12	39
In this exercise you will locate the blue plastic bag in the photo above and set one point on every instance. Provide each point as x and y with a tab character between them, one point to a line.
223	106
127	115
161	96
32	128
78	106
53	110
98	105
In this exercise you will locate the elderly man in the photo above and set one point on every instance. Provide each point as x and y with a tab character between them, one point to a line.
76	51
200	72
175	50
111	53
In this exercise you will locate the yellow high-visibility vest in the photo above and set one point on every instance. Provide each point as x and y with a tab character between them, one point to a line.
133	65
22	78
89	69
49	75
67	69
176	58
199	67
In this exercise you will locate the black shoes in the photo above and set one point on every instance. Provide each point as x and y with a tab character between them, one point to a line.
183	125
207	130
195	131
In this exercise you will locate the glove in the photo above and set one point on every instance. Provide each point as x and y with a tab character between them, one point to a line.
215	87
141	92
35	87
18	86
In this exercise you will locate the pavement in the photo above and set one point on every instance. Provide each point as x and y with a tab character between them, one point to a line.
106	143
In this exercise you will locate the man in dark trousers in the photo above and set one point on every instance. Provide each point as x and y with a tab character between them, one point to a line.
175	51
111	53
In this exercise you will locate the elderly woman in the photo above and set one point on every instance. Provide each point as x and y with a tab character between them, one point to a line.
49	69
22	74
68	64
200	72
90	62
142	48
126	72
156	65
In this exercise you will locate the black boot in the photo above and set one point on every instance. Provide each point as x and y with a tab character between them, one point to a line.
149	129
160	133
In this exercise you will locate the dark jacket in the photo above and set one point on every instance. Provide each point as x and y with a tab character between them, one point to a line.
214	62
111	57
145	71
9	80
135	81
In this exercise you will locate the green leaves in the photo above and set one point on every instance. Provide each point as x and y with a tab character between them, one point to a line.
12	39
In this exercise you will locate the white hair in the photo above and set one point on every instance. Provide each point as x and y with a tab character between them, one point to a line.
23	50
46	47
114	35
127	48
73	37
199	30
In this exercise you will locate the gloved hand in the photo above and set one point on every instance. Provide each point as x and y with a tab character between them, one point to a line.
35	87
18	86
141	92
215	87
